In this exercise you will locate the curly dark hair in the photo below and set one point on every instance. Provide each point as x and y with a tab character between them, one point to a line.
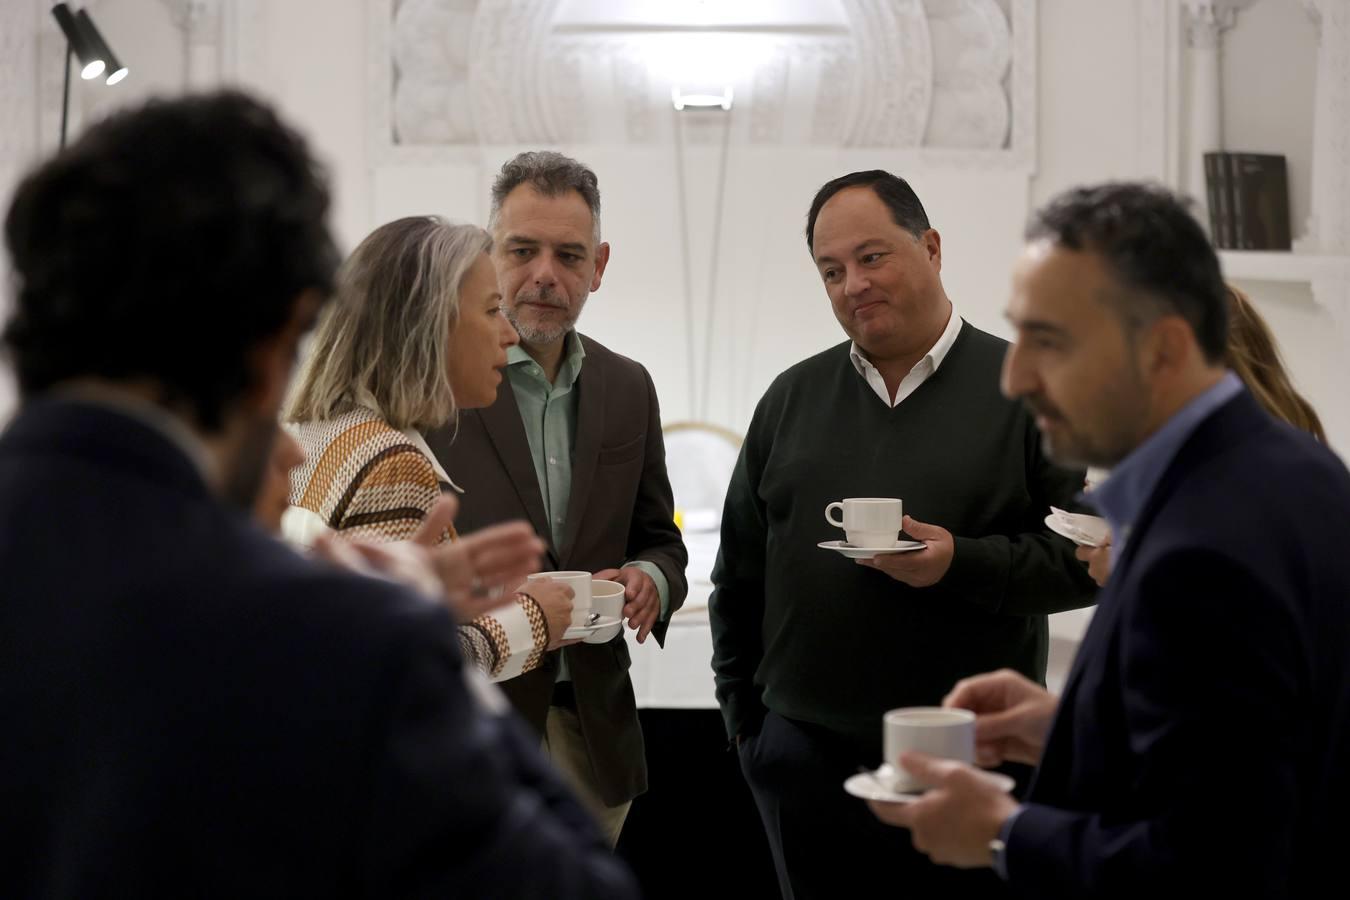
164	244
1154	246
551	174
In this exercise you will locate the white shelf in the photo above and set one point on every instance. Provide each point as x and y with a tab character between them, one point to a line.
1327	276
1282	265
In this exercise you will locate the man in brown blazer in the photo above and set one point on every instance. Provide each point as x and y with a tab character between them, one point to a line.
573	444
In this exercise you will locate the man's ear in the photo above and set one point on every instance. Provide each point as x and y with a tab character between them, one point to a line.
932	243
601	260
1168	348
272	360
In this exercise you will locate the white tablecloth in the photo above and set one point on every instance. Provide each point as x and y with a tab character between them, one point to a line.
680	675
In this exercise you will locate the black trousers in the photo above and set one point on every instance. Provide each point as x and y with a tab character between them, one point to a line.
827	844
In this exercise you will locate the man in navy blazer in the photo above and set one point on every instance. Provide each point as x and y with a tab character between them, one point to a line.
188	708
1203	739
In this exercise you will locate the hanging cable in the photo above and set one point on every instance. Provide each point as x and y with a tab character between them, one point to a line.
684	258
712	270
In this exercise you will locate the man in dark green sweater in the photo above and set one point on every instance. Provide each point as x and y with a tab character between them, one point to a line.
811	648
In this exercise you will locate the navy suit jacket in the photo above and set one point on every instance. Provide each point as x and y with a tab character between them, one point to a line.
1202	745
189	709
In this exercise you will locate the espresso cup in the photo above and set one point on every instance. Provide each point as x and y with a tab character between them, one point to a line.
607	598
870	522
580	583
947	733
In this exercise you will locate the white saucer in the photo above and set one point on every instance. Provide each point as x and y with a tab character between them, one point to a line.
868	786
605	634
1085	531
587	631
853	552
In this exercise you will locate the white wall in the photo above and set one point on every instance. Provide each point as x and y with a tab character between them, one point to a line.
1269	69
1089	95
1269	65
771	309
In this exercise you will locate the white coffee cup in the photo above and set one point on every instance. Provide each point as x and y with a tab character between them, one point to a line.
947	733
607	598
870	522
580	583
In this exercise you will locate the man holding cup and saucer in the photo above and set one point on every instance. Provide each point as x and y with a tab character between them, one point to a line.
811	648
1200	746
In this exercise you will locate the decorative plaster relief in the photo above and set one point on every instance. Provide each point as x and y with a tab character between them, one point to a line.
1207	20
630	77
894	76
507	76
837	68
430	43
938	75
972	48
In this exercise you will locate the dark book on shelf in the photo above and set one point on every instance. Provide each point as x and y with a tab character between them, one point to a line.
1260	201
1218	196
1248	199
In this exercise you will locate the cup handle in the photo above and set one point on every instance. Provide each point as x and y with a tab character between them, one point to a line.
833	506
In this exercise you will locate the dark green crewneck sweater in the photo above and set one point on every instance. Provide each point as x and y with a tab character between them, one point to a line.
818	638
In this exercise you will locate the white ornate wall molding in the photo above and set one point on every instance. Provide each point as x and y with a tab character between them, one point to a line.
952	81
1207	20
632	79
971	53
770	93
893	76
1328	228
508	82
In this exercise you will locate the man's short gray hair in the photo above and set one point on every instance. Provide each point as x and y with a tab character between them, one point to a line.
552	175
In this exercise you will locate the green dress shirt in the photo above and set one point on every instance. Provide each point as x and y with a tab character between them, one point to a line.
549	413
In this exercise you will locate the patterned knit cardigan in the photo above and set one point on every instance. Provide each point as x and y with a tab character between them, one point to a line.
365	479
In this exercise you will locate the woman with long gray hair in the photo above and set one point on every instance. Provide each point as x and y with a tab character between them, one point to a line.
414	333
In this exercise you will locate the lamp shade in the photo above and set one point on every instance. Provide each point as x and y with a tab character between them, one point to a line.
116	71
92	63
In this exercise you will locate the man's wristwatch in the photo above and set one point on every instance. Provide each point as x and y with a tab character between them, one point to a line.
996	851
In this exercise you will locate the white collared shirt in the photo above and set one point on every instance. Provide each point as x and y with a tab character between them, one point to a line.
922	371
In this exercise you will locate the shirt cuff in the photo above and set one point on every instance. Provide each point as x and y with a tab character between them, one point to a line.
513	638
1001	846
659	578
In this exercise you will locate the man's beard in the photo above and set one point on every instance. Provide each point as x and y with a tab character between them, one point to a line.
1111	433
544	333
244	476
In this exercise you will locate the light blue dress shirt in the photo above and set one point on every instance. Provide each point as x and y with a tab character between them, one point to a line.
1121	498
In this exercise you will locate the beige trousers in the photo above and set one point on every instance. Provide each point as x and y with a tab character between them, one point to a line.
566	748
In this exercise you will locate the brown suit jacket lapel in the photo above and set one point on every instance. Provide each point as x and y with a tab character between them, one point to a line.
502	423
590	430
